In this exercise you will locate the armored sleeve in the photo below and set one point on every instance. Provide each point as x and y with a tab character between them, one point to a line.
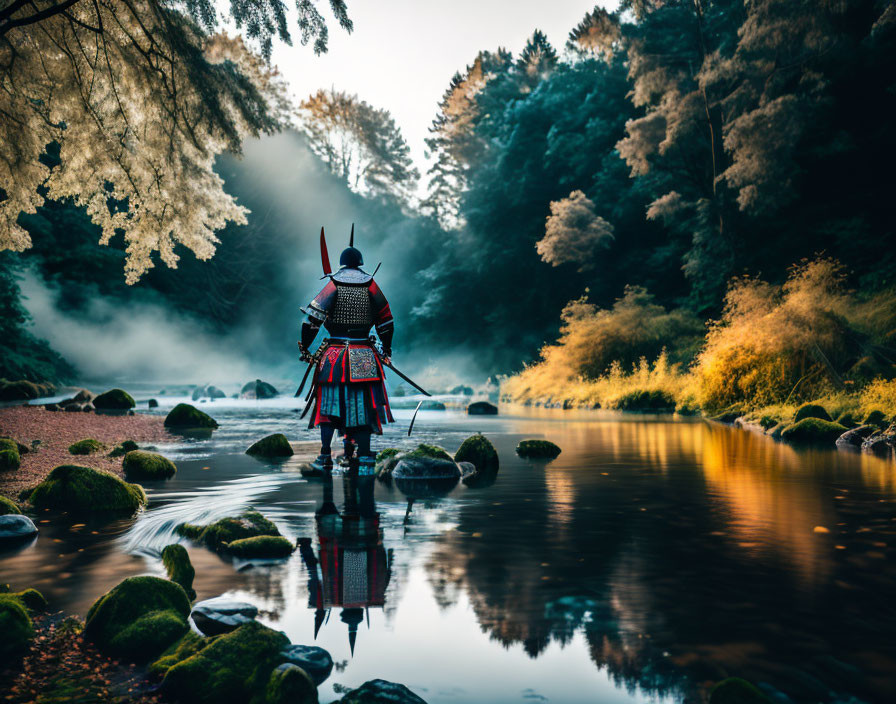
382	317
316	313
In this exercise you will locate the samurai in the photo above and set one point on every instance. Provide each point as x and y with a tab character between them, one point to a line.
348	390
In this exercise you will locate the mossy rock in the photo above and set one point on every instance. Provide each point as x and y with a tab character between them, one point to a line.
766	422
85	490
392	457
124	448
777	430
276	445
386	454
811	410
479	451
290	684
482	408
645	401
87	446
190	644
735	690
847	420
9	454
428	451
114	400
139	464
375	691
32	599
538	449
813	431
227	530
139	618
15	625
183	415
24	390
234	668
261	546
878	418
728	416
8	506
179	568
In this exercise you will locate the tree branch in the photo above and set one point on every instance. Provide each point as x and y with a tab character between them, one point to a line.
37	16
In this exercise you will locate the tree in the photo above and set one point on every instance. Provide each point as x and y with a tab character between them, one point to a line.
140	98
574	232
359	143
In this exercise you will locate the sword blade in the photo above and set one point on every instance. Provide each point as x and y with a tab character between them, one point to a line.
324	255
413	418
304	379
406	378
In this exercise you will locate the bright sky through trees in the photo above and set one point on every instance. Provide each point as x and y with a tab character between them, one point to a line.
402	53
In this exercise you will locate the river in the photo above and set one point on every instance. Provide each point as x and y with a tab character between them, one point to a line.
654	556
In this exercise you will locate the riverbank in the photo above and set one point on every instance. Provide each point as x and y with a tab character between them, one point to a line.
47	435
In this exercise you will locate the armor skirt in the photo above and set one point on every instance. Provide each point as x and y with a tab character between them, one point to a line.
350	389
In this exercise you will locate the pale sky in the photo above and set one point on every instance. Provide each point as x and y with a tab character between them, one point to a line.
402	53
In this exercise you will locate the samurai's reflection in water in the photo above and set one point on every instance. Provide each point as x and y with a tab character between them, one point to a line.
352	568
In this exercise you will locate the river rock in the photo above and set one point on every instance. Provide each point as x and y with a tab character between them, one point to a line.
380	692
179	568
855	437
482	408
8	506
73	408
880	444
811	410
18	629
15	526
224	531
222	615
84	490
152	403
208	391
139	464
290	684
114	400
258	389
10	456
276	445
317	662
538	449
478	450
185	416
425	468
813	431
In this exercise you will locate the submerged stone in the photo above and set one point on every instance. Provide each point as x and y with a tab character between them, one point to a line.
139	618
538	449
86	490
222	615
226	530
379	692
139	464
261	546
276	445
185	416
317	662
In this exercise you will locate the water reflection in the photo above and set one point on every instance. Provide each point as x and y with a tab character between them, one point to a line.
352	568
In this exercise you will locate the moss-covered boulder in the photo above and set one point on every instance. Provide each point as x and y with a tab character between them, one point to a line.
8	506
426	462
114	400
275	445
83	490
645	401
811	410
187	417
188	645
261	546
179	568
124	448
24	390
478	451
139	464
482	408
290	684
219	534
538	449
87	446
813	431
15	625
847	420
32	599
9	454
231	669
878	418
258	389
735	690
376	691
139	618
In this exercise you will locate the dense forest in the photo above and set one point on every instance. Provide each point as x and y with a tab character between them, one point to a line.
698	185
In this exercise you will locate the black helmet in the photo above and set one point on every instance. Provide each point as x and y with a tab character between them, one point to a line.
350	256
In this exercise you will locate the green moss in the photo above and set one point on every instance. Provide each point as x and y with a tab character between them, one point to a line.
32	599
811	410
389	452
734	690
231	669
226	530
139	464
538	449
139	618
767	421
429	451
290	684
114	400
776	430
85	490
123	449
645	401
847	420
15	625
85	447
8	506
179	568
23	390
478	450
878	418
9	454
186	647
261	546
183	415
275	445
813	431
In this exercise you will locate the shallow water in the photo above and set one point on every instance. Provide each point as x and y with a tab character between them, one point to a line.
653	556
